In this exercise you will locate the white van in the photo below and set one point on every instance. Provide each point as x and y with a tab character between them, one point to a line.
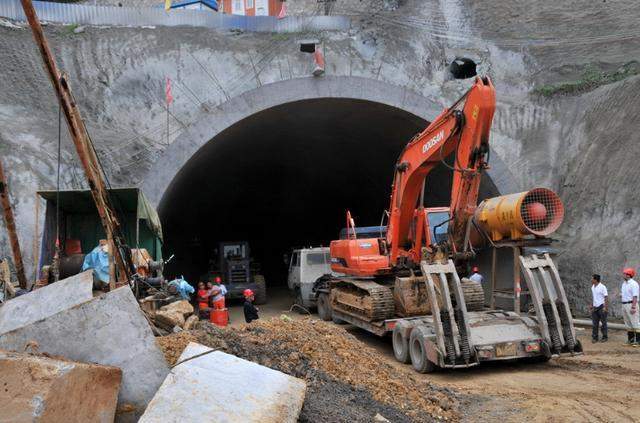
305	267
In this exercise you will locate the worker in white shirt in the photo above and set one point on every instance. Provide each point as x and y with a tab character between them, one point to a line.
476	276
629	296
599	306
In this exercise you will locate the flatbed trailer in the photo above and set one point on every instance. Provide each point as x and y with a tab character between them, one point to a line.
452	337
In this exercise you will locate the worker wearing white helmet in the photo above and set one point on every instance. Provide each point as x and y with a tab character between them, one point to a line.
629	294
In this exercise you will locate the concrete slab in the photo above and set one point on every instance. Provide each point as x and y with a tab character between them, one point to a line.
221	388
36	388
46	301
109	330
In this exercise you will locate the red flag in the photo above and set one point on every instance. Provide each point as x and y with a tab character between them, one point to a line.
167	92
283	11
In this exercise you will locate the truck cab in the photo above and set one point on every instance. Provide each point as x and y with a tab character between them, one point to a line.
306	266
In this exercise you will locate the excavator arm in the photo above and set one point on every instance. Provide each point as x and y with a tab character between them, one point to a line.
462	129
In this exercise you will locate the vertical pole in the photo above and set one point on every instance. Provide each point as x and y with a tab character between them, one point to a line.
516	279
36	242
10	223
494	253
112	264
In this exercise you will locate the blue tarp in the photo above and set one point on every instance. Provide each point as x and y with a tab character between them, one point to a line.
98	260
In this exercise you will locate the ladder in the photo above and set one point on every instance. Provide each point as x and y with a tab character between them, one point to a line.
550	303
451	325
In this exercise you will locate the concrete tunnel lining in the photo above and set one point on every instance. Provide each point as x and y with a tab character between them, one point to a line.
178	182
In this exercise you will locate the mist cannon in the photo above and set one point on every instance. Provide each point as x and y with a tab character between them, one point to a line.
537	212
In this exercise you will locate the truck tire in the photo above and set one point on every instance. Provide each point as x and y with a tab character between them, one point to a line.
418	350
261	289
400	342
324	308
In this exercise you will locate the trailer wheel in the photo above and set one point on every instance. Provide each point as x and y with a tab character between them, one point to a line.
261	289
418	350
324	308
400	342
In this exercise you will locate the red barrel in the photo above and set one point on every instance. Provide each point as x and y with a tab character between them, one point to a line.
220	317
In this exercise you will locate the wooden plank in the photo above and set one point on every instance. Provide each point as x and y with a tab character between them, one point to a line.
537	301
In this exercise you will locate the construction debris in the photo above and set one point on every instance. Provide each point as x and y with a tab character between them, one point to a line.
252	393
52	389
109	330
346	379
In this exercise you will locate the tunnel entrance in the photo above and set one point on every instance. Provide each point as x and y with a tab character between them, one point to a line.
284	177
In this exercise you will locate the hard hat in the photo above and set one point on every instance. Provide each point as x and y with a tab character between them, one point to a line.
475	269
218	279
247	293
629	271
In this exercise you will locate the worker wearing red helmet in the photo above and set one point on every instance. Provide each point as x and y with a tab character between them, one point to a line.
476	276
629	294
250	311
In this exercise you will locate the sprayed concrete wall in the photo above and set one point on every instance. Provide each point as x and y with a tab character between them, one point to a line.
562	142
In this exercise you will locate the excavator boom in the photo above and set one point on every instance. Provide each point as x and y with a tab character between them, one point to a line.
461	131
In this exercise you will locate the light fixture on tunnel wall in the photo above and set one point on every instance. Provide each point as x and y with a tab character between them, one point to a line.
462	68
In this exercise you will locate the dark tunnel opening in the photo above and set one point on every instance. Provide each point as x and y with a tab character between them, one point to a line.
284	177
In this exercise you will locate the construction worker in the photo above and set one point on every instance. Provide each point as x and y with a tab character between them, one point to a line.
629	297
476	276
598	307
182	287
250	311
203	300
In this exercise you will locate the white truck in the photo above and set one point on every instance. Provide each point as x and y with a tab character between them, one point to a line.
306	266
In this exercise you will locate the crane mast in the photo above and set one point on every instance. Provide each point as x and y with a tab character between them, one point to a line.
463	132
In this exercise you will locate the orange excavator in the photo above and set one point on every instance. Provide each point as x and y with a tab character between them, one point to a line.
392	281
415	232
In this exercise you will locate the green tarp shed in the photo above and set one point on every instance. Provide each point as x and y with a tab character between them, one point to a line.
79	220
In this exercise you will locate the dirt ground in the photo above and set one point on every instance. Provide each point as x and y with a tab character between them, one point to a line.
603	385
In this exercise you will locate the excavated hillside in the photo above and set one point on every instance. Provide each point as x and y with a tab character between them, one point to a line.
565	74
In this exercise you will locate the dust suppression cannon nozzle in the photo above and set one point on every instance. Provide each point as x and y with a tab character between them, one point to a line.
536	212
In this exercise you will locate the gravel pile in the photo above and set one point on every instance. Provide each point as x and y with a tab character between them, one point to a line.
346	379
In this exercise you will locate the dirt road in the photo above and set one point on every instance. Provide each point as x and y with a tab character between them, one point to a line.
603	385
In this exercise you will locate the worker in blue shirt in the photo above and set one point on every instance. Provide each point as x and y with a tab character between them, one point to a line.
182	287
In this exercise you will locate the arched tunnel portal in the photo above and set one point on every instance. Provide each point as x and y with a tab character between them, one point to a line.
284	175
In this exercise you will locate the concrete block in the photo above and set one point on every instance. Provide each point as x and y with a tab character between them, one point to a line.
46	301
169	318
190	323
183	307
36	388
109	330
220	387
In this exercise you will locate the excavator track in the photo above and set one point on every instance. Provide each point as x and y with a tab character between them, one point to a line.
363	299
473	294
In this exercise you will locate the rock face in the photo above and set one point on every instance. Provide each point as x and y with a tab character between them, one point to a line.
45	389
578	144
